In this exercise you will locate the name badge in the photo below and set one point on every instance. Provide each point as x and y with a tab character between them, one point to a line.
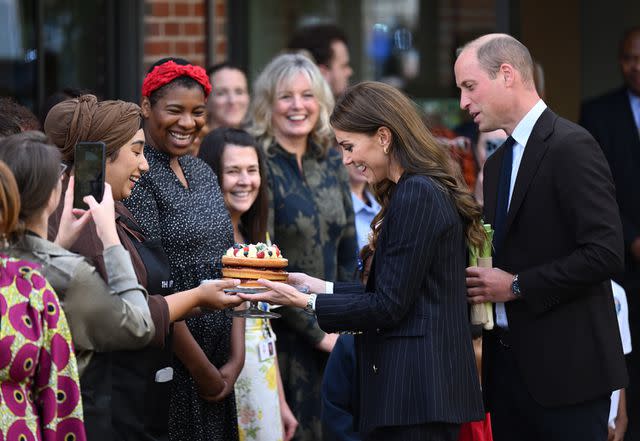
164	375
266	350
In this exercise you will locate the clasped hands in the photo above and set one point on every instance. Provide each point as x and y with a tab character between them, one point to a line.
488	285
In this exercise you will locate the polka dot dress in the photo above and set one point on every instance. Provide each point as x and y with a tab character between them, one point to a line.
195	230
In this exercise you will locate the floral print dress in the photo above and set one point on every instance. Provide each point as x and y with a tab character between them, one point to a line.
256	388
38	372
311	219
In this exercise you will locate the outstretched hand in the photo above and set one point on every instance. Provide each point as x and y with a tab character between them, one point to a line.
212	294
72	221
306	283
279	294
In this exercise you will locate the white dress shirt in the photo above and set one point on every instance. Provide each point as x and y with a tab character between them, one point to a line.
521	135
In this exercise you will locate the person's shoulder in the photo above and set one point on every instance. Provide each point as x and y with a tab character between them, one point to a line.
604	101
417	189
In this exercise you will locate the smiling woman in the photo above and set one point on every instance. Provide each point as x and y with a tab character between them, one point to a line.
179	203
311	214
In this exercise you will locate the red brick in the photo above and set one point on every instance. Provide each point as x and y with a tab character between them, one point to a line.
220	9
193	28
156	47
199	9
181	9
161	9
182	48
172	29
221	48
152	29
200	47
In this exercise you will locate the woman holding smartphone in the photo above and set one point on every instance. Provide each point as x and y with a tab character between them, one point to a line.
137	382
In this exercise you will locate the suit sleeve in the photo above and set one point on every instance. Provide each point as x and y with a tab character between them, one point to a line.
415	222
586	197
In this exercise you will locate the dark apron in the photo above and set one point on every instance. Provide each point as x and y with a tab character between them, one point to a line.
141	379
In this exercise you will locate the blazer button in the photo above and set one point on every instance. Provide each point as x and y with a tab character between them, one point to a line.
375	369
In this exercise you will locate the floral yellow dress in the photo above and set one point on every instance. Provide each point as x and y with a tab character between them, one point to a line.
38	372
257	386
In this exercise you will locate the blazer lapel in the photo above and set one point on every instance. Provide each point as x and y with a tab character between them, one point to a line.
533	153
627	124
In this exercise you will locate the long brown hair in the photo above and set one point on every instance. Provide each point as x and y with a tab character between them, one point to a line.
35	164
9	202
254	220
369	105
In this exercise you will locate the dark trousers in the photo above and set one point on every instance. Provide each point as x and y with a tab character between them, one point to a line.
515	416
419	432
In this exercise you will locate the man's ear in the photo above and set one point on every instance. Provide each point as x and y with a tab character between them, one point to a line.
507	74
324	70
145	105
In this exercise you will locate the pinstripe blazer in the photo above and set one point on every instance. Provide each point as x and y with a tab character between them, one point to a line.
415	358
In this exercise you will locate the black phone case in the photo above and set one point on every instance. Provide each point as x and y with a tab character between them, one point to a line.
88	175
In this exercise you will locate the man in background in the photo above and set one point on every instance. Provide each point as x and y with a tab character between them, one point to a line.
614	121
329	47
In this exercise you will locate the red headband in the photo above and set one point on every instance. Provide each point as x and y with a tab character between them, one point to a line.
169	71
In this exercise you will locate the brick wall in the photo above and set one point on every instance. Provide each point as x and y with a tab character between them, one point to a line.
179	28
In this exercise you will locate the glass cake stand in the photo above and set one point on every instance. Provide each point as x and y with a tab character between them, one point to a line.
253	311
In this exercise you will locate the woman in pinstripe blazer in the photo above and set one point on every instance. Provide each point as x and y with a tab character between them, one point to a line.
417	378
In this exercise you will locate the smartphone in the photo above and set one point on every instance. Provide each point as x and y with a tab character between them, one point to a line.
88	163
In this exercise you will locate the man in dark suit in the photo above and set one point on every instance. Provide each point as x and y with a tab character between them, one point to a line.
614	121
555	355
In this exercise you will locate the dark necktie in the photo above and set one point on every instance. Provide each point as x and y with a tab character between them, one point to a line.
502	202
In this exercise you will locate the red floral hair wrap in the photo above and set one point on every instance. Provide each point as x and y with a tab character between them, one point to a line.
167	72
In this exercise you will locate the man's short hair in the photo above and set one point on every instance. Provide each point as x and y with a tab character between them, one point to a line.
495	51
317	39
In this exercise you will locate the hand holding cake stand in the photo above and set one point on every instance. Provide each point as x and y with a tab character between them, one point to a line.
250	263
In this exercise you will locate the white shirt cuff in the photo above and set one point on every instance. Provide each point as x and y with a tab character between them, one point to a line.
328	287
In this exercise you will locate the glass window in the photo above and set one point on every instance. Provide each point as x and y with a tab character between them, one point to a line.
51	44
408	43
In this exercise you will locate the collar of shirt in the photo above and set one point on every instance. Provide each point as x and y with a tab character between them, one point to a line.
521	135
358	205
634	101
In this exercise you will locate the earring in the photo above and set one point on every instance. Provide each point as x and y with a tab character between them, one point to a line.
385	150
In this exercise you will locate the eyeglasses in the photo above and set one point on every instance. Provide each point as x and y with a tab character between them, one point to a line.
63	168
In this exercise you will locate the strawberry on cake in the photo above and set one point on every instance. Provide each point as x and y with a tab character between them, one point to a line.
250	262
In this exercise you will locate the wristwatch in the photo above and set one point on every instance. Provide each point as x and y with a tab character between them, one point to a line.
515	287
311	302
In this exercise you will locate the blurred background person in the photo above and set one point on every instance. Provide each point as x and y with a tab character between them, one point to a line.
21	116
179	201
237	161
329	47
311	215
614	121
229	100
34	329
135	383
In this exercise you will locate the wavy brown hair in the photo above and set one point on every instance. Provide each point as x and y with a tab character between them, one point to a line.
9	202
369	105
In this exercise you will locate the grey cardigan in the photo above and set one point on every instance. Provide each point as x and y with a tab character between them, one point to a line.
101	317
